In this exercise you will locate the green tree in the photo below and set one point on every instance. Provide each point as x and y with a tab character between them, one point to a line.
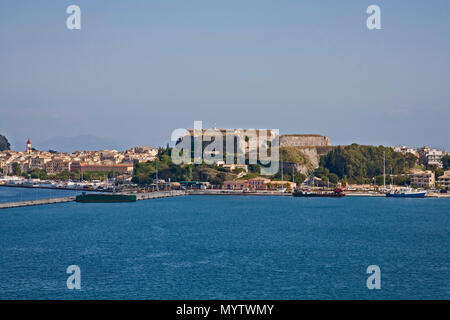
446	162
359	164
16	169
38	174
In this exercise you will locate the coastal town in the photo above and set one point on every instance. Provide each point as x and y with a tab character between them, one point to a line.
111	170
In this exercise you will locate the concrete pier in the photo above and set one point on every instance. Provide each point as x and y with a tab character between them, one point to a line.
159	194
35	202
139	196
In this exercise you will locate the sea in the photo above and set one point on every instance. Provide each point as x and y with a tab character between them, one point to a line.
225	247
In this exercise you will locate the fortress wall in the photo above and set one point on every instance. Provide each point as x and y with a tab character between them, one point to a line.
304	140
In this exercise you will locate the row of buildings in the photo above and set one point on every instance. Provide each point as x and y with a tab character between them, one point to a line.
258	184
425	155
120	162
427	179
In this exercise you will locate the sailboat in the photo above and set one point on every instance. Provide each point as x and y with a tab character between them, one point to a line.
406	192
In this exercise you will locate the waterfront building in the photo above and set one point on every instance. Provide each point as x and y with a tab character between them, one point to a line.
125	168
423	179
39	162
258	183
236	185
444	180
58	165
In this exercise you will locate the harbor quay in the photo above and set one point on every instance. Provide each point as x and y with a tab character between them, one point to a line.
28	203
138	196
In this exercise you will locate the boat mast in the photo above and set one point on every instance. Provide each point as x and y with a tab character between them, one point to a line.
156	163
281	156
392	179
384	170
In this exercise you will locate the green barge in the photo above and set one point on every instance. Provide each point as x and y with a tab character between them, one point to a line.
105	197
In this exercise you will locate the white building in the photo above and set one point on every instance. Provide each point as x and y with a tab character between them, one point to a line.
434	157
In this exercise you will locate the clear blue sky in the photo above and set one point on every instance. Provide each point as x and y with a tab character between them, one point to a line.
139	69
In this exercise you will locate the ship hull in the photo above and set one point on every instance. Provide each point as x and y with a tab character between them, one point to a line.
105	198
406	195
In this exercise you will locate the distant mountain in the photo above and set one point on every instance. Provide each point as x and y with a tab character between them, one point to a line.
4	144
81	142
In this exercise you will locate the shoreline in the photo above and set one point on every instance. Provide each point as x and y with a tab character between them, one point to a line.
51	188
224	192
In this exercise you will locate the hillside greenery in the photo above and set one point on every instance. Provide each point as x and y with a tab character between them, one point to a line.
293	155
145	173
446	162
363	164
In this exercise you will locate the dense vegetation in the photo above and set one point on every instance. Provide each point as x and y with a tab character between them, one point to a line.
363	164
446	162
4	144
145	173
293	155
65	175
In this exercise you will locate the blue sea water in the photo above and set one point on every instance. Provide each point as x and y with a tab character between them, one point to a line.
10	194
228	247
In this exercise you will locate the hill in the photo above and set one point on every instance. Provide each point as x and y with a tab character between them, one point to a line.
4	144
360	164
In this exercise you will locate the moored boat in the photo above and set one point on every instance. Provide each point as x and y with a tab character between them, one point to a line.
406	193
105	197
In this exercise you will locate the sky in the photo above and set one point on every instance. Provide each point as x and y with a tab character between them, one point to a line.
137	70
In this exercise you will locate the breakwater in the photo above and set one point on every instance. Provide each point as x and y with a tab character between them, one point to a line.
159	194
50	188
17	204
139	196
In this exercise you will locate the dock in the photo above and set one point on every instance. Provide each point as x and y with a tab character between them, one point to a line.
139	196
35	202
